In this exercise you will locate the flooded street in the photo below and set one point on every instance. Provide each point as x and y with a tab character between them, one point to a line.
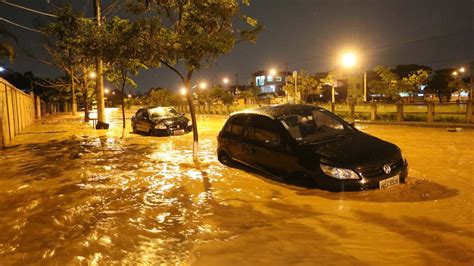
73	195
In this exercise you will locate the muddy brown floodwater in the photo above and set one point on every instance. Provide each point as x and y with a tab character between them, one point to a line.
73	195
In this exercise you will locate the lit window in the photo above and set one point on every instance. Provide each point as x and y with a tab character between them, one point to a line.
278	79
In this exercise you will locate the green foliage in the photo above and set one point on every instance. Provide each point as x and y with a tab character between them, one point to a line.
6	48
388	84
306	84
412	82
192	32
163	97
442	83
219	94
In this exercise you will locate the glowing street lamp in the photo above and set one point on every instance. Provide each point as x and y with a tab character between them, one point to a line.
183	91
272	72
202	85
225	80
106	91
129	96
92	75
348	60
462	70
455	73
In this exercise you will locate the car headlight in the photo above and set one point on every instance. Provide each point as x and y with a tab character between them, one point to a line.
160	126
339	173
190	123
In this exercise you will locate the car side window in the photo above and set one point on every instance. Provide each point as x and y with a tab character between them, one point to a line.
234	126
140	114
237	125
262	130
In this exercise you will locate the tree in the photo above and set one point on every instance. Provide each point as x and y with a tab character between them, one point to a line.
413	81
163	97
439	83
6	48
186	35
217	93
121	52
306	84
387	85
65	39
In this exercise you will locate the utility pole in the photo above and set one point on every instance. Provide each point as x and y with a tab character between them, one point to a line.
99	88
236	82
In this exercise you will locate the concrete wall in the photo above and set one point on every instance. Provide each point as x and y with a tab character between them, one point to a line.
430	112
17	111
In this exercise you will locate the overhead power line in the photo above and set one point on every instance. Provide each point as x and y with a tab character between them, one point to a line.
21	26
28	9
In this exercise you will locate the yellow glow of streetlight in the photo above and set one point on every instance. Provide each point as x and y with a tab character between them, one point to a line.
455	73
462	70
349	60
272	72
183	91
225	80
202	85
106	91
92	75
129	96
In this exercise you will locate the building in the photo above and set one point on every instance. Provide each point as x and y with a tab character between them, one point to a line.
268	83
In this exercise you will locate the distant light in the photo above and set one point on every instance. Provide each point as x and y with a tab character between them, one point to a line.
455	73
420	94
225	80
202	85
272	72
113	93
92	75
129	96
106	91
183	91
2	69
462	70
349	60
464	94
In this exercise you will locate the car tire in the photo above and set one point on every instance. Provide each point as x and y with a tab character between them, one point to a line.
135	131
151	132
225	159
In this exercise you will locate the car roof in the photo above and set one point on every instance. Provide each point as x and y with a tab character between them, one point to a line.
156	106
280	110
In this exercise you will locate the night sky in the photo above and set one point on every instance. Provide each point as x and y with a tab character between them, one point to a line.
305	34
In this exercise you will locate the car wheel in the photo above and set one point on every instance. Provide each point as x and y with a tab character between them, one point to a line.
225	159
151	132
135	131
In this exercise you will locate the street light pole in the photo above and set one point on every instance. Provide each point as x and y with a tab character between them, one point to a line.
365	86
100	79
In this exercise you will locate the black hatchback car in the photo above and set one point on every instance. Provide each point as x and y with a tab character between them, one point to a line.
302	141
160	121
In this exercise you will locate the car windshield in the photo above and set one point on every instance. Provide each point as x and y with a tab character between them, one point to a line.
162	112
314	126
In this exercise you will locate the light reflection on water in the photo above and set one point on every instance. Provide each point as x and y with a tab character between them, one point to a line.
97	199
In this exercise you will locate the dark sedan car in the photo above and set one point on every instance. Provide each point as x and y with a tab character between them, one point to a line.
160	121
302	141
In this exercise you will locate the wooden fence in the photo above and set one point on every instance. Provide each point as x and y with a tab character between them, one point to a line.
17	111
429	111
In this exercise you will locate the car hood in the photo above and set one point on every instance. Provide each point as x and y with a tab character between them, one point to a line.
355	150
171	120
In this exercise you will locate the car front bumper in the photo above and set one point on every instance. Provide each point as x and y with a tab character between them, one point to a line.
337	185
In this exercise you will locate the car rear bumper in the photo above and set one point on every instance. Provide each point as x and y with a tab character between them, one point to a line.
336	185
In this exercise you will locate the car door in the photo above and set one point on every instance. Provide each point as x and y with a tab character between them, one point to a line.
232	136
268	147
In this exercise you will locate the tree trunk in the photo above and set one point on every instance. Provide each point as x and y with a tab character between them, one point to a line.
192	110
73	95
123	106
85	82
